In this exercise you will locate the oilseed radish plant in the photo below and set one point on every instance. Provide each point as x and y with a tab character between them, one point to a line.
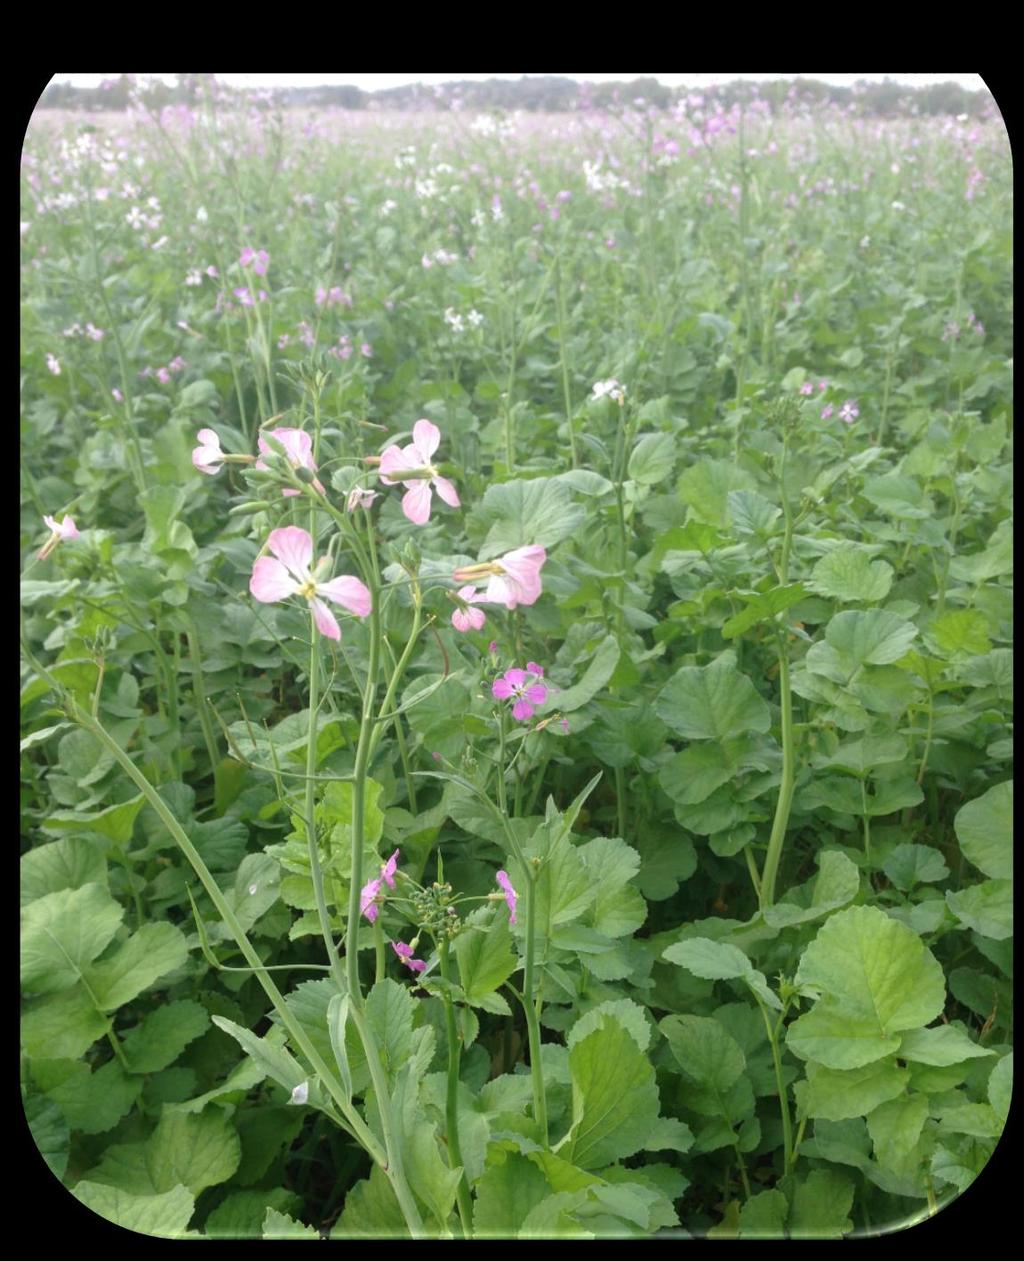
516	678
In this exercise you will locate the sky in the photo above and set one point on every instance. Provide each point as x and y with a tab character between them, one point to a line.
376	82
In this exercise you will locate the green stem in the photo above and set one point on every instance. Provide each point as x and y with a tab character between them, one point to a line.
452	1099
927	735
566	394
866	820
787	784
787	1128
203	711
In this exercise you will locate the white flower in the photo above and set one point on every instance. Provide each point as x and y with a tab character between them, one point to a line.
300	1094
475	318
609	389
201	215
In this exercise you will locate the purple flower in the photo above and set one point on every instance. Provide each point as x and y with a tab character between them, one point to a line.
510	894
404	953
515	685
849	411
368	895
807	388
826	411
258	260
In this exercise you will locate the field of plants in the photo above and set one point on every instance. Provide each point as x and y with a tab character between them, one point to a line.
516	678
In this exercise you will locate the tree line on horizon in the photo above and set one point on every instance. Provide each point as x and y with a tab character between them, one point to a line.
549	93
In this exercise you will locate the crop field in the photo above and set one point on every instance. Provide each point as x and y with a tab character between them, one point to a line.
516	686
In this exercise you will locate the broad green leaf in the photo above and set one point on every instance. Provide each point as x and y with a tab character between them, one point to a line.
115	823
92	1102
553	1218
280	1226
909	865
163	1035
898	496
691	776
1000	1087
371	1210
629	1014
848	573
837	1095
69	863
822	1200
705	486
977	1119
61	1025
763	1216
483	951
610	864
152	952
837	882
943	1045
712	702
718	960
763	607
522	513
959	1162
863	755
50	1132
895	1126
984	828
389	1011
506	1195
273	1061
337	1024
653	458
876	980
705	1051
164	1216
614	1097
959	633
197	1150
242	1214
869	637
41	736
62	932
599	670
985	907
992	561
751	513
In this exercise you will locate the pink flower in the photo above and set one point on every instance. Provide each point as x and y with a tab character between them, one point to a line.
118	396
299	446
826	411
514	577
244	296
510	894
59	533
368	899
360	498
849	411
291	574
404	953
469	619
259	260
208	457
163	376
387	871
53	363
514	685
807	388
416	458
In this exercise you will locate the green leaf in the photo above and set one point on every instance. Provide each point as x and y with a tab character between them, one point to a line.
61	1025
712	702
821	1204
959	633
337	1023
1000	1087
898	496
909	865
653	458
705	486
242	1214
708	1055
389	1011
839	1094
484	953
848	573
50	1132
92	1102
941	1046
895	1127
194	1150
717	960
985	907
837	882
273	1061
115	823
751	513
69	863
977	1119
763	607
506	1195
984	828
598	672
154	951
763	1216
521	513
869	637
629	1014
62	932
280	1226
692	776
163	1035
371	1210
876	980
614	1097
164	1216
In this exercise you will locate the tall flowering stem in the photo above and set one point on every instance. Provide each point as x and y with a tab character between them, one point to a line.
531	1002
452	1099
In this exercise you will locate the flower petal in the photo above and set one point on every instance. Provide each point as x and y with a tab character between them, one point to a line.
501	689
208	438
326	622
416	502
447	492
349	592
426	438
516	676
390	461
505	884
387	872
270	581
294	547
367	894
522	710
537	693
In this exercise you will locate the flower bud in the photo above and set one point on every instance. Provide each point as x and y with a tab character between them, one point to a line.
305	475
